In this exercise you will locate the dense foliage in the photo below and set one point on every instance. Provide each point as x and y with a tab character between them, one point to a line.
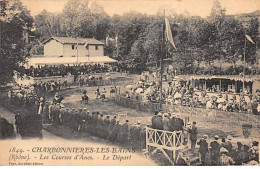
141	43
199	41
15	19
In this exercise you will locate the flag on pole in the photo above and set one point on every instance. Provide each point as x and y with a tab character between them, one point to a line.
169	33
86	44
250	39
107	38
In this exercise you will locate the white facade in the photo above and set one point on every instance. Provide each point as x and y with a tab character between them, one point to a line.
70	51
55	48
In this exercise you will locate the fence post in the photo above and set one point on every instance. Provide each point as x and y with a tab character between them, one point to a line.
146	138
164	143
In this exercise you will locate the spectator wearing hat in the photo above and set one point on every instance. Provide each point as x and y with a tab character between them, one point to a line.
100	126
203	148
88	122
18	122
228	144
107	121
222	144
123	133
135	135
224	159
193	136
173	123
153	118
257	96
245	153
237	154
165	121
157	122
93	122
112	123
114	132
106	126
254	151
41	105
180	122
214	150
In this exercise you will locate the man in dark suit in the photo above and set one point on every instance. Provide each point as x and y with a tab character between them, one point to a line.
203	148
215	151
157	122
193	135
228	144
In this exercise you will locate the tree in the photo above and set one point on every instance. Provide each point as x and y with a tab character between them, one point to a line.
47	25
251	49
15	22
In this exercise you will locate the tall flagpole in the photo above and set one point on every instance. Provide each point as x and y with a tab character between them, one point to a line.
77	52
162	61
244	64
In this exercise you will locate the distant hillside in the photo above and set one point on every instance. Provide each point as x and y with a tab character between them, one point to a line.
252	14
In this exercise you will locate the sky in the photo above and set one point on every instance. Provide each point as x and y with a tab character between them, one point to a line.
193	7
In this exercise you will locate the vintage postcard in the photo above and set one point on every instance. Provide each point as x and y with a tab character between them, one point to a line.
129	82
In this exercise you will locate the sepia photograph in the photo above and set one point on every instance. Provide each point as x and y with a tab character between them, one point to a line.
129	82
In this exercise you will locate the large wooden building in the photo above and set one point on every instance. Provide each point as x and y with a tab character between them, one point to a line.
66	50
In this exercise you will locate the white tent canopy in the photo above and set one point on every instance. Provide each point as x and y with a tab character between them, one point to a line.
35	61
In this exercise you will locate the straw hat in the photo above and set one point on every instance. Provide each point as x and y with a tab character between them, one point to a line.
159	114
223	150
173	115
205	136
229	137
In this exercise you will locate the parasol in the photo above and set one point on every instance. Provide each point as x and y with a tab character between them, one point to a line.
149	91
129	86
221	100
177	95
139	90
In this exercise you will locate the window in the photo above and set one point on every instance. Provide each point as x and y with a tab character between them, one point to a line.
73	47
96	47
73	56
86	47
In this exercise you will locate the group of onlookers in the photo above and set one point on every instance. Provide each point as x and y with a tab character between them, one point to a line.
98	124
176	94
224	152
62	70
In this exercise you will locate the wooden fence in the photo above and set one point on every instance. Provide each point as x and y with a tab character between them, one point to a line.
136	104
169	143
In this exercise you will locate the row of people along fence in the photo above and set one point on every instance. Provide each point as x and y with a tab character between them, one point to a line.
212	115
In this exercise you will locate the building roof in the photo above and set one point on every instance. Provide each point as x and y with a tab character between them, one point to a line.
69	40
56	60
227	77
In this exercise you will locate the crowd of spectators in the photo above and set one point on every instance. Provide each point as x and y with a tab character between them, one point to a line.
214	151
62	70
223	151
175	93
110	127
101	125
